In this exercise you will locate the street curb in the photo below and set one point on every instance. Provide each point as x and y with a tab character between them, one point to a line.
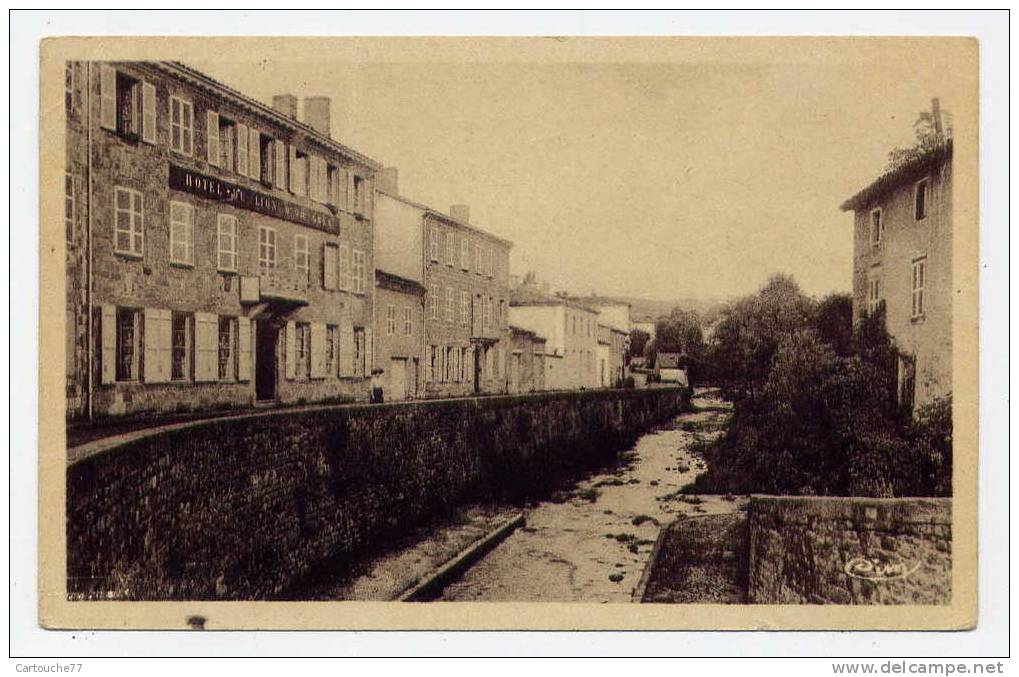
645	577
429	587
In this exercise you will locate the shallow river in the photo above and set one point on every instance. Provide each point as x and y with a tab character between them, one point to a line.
590	543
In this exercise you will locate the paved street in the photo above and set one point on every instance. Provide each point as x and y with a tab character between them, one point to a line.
590	544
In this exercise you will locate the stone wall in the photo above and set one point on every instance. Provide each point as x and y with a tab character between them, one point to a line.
251	506
850	550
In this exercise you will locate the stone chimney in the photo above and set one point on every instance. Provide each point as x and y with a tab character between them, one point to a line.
286	104
461	213
316	113
936	115
387	181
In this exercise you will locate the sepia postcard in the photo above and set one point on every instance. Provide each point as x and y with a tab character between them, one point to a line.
508	333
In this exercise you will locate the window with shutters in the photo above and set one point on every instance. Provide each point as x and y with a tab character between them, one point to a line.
226	243
359	351
127	344
876	229
433	357
70	210
450	304
227	144
129	106
359	195
182	126
266	247
358	274
465	304
227	349
303	346
920	200
433	303
299	173
390	319
180	347
433	244
333	185
450	248
465	253
182	233
330	359
408	322
330	270
873	294
266	162
302	258
129	236
477	259
919	283
344	256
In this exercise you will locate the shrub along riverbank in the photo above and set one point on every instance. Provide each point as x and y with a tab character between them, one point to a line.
816	410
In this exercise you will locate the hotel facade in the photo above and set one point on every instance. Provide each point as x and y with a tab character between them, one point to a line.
219	250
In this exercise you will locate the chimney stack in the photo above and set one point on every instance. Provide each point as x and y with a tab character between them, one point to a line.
461	213
286	104
388	181
936	115
316	113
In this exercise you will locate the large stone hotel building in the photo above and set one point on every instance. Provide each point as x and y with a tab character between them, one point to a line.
219	251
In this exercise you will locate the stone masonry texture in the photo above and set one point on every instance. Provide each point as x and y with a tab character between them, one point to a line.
248	507
850	550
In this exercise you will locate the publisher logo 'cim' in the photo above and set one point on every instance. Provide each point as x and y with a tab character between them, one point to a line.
879	569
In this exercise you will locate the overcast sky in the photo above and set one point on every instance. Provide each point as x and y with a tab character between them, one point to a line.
682	178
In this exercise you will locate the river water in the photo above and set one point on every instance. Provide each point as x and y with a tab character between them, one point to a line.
591	542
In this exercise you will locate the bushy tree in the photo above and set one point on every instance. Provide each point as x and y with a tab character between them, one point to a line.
638	341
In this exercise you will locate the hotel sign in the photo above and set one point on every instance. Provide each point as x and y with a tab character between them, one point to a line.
211	188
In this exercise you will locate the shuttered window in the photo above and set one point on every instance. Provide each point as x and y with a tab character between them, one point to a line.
182	126
128	222
465	304
344	255
148	112
390	319
358	272
182	233
227	349
242	149
127	344
302	258
212	138
206	342
280	152
226	243
266	247
254	154
180	350
330	272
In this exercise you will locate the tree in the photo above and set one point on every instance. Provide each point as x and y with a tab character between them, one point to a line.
752	328
638	341
833	323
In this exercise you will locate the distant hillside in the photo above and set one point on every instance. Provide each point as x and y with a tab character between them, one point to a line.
640	308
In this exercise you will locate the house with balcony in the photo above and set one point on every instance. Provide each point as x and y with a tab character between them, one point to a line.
219	249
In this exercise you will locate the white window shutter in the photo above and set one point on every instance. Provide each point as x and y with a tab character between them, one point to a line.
108	342
206	347
108	97
351	197
329	266
281	165
242	150
154	371
367	199
148	112
212	137
342	188
318	349
292	157
291	350
243	349
346	346
369	353
254	154
165	333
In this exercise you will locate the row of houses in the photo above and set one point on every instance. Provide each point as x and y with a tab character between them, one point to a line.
221	252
